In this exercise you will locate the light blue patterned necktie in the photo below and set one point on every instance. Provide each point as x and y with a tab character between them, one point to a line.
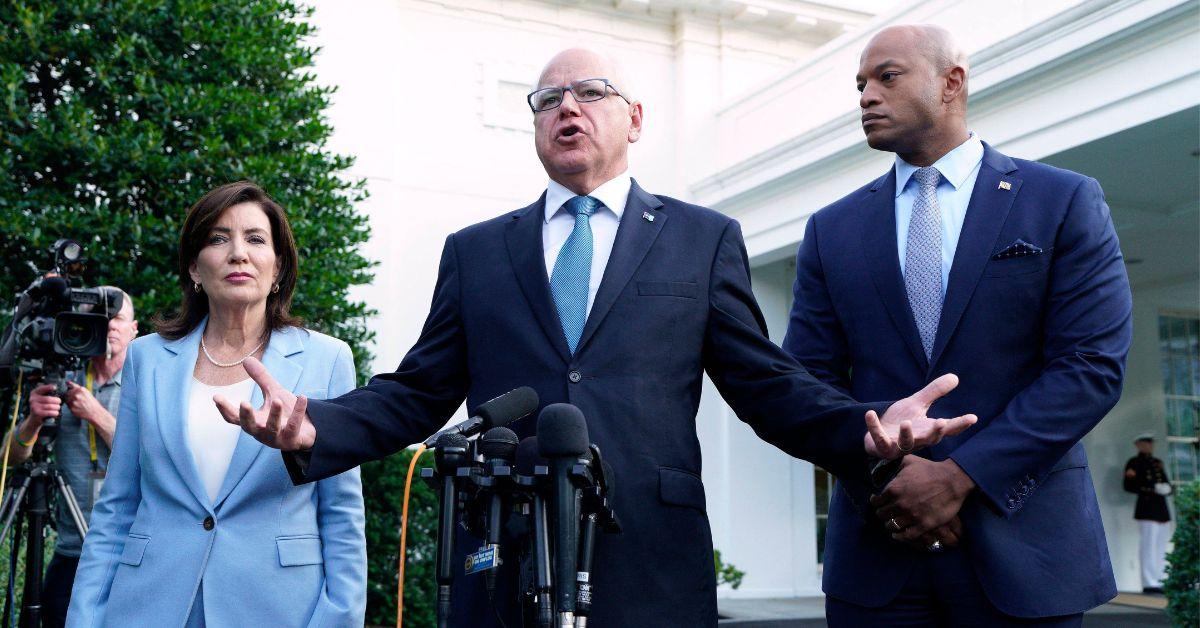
923	257
571	278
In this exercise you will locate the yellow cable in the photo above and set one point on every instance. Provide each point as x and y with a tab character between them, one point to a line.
404	536
12	432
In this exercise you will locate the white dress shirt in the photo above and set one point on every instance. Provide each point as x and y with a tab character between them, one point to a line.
559	223
210	438
960	169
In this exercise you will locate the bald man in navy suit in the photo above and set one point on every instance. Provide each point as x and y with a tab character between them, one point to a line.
605	296
1007	272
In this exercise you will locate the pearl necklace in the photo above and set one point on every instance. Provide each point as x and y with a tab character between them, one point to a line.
204	348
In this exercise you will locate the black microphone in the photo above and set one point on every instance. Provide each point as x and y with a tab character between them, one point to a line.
597	514
563	439
451	453
528	459
512	405
498	446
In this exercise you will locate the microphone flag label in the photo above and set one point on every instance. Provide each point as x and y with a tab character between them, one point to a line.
486	558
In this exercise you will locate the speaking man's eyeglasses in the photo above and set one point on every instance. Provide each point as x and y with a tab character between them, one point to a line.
586	90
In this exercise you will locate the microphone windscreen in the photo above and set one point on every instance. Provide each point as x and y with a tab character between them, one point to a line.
56	289
562	431
451	440
509	407
498	443
528	456
450	452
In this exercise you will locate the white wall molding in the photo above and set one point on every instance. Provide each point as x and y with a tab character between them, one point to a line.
1133	55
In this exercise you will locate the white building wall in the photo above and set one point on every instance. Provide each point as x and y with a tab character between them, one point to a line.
1142	409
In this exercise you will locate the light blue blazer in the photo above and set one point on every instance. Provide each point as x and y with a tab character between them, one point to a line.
270	554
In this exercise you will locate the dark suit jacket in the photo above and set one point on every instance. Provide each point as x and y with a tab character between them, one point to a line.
674	302
1039	343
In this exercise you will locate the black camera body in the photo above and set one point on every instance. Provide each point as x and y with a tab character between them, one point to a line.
56	327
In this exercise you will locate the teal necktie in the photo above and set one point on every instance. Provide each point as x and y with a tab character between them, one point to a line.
572	273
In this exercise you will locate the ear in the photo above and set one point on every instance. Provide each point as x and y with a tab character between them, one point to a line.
135	329
193	273
635	122
954	82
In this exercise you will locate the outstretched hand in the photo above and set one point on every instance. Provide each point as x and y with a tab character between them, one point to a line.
282	422
905	425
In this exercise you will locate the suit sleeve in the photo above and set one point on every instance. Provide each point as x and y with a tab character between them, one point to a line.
783	403
815	336
1087	331
1131	483
342	525
395	410
113	514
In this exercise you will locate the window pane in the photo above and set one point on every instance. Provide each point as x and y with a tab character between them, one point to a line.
1178	333
1165	364
1172	417
822	523
1180	373
1183	462
821	488
1188	411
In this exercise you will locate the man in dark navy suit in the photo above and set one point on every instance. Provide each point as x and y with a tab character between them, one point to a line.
1008	273
617	301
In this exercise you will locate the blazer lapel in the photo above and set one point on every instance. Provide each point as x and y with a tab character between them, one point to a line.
276	358
635	235
883	259
986	214
524	240
173	388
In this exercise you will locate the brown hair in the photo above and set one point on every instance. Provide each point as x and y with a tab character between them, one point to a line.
194	237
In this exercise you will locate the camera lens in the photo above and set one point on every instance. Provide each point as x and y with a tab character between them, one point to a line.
80	334
76	336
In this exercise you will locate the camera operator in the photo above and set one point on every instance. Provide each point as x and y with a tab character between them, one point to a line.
87	421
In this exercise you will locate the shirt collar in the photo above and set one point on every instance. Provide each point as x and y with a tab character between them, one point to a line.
955	165
116	378
613	193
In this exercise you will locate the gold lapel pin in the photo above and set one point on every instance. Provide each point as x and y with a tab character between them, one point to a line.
1005	185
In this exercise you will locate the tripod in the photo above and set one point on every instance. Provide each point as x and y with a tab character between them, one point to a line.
27	504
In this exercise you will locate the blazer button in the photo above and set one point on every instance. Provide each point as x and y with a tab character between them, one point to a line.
209	524
1012	503
574	377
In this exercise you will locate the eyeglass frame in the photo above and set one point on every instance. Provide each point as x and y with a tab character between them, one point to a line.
562	91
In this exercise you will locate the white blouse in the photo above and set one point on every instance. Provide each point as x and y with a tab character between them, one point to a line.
210	438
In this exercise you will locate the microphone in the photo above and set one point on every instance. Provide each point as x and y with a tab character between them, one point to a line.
451	453
512	405
597	514
563	439
498	446
528	459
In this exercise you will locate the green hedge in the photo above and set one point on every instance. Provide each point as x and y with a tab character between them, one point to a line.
117	115
1183	563
383	489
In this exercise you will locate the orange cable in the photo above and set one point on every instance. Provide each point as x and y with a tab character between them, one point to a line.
404	536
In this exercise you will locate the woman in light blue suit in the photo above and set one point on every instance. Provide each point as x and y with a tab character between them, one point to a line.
198	524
